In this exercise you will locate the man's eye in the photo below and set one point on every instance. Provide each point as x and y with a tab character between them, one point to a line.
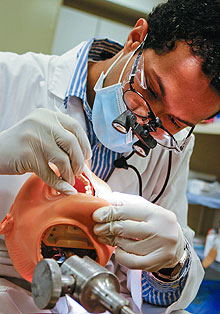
174	122
151	91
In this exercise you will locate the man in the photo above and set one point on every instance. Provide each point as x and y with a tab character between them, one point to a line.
167	75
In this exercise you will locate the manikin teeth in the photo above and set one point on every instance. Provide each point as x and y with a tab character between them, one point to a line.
86	182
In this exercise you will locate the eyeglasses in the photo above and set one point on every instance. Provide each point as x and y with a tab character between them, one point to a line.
140	107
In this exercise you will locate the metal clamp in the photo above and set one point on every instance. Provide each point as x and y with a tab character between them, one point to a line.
92	285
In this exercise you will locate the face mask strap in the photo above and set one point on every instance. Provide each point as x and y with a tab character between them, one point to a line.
126	63
133	53
112	65
120	55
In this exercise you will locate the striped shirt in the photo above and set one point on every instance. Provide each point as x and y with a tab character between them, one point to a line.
153	290
96	50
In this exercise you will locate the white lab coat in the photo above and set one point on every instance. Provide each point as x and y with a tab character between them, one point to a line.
31	81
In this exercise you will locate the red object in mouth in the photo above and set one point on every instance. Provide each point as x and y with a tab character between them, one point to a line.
83	185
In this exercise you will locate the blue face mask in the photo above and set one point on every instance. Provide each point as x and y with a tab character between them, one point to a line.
108	105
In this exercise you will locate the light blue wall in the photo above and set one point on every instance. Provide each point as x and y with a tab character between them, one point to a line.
75	26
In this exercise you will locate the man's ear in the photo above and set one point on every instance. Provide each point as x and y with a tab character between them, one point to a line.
136	35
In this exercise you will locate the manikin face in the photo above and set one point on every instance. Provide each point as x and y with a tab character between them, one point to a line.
178	91
45	224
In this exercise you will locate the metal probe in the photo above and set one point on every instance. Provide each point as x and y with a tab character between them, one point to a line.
92	285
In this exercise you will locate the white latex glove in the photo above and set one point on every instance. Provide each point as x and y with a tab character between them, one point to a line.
45	137
146	235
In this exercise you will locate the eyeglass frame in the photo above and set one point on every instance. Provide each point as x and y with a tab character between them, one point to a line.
157	123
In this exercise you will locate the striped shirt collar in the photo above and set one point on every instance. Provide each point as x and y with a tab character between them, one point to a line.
102	162
96	50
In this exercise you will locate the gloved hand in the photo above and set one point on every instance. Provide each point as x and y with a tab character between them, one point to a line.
146	235
45	137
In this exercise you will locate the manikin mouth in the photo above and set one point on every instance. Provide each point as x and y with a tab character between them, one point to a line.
84	185
62	241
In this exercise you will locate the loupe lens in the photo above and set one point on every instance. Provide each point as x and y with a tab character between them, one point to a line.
140	149
119	127
121	123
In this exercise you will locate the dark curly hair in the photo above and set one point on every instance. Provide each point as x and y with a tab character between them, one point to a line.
197	22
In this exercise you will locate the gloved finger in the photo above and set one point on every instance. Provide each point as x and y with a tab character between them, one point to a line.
125	228
60	158
70	145
49	177
112	197
131	254
151	262
75	128
133	246
119	199
128	211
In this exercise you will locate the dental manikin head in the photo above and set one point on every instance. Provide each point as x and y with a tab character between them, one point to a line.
43	223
